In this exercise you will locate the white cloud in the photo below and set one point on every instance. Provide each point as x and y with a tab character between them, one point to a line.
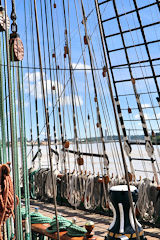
80	66
47	85
137	116
146	105
32	76
158	115
26	104
67	100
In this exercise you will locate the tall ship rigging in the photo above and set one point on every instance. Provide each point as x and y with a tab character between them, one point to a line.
79	116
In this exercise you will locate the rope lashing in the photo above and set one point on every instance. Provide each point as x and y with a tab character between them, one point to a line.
6	195
63	224
76	231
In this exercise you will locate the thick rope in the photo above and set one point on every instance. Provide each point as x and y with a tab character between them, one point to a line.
6	195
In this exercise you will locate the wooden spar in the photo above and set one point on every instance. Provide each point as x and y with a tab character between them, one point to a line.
83	153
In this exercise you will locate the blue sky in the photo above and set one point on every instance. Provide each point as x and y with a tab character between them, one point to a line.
82	94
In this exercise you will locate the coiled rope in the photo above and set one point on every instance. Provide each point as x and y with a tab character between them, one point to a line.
63	224
72	229
76	231
6	195
37	217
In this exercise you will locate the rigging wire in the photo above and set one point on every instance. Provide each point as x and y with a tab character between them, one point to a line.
46	116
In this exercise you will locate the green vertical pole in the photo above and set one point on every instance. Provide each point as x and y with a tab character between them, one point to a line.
5	81
18	219
2	115
17	162
2	118
23	153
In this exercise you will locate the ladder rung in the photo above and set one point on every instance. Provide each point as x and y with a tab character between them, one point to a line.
132	29
131	46
101	3
143	159
132	11
138	170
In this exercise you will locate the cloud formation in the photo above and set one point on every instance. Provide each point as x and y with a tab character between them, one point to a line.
67	100
81	66
137	116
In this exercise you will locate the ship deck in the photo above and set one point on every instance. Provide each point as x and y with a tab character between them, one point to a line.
101	222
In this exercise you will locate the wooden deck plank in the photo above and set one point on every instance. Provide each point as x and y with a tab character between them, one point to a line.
101	222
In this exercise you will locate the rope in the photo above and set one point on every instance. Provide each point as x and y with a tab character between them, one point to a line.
37	217
74	193
6	195
76	231
63	224
88	196
144	204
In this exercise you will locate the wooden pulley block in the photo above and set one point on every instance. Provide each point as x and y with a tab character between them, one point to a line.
130	176
64	55
80	161
54	5
53	55
133	80
85	40
53	88
95	99
3	21
104	69
106	179
153	133
104	74
66	144
16	47
129	110
66	49
98	125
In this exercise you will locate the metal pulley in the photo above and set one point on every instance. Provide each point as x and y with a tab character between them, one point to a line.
3	20
16	47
